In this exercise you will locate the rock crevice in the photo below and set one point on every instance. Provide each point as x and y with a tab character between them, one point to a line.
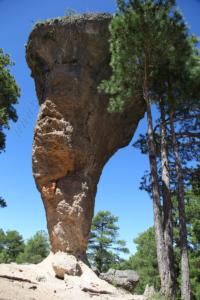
74	135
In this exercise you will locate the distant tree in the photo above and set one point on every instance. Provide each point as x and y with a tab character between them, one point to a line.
35	250
2	239
144	261
192	211
104	246
11	244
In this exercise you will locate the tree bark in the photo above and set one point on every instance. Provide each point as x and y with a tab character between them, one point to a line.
167	203
159	236
185	281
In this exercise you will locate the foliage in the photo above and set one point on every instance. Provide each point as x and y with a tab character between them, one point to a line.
35	250
195	180
158	296
9	93
187	123
192	208
144	261
148	63
2	202
140	30
11	244
104	246
193	221
13	248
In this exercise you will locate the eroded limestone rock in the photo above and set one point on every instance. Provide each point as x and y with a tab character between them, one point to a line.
74	135
126	279
63	263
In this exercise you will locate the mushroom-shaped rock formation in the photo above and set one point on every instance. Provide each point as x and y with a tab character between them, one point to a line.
74	135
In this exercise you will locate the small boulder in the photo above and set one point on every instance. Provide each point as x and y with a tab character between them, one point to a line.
126	279
64	263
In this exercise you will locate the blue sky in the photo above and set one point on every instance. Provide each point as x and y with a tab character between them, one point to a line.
118	187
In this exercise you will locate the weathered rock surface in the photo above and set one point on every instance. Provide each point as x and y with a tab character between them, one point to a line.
28	282
74	135
149	291
126	279
63	263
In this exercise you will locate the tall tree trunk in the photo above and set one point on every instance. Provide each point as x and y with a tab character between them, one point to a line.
159	236
185	281
167	203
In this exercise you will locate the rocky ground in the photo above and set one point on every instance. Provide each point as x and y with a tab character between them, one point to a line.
38	282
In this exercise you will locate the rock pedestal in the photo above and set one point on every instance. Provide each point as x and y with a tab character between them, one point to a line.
74	135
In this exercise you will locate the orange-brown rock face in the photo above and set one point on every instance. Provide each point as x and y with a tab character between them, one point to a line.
74	135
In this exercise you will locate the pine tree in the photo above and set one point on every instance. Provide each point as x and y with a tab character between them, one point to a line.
104	247
187	122
166	193
148	62
9	93
35	250
141	46
144	261
179	81
11	244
